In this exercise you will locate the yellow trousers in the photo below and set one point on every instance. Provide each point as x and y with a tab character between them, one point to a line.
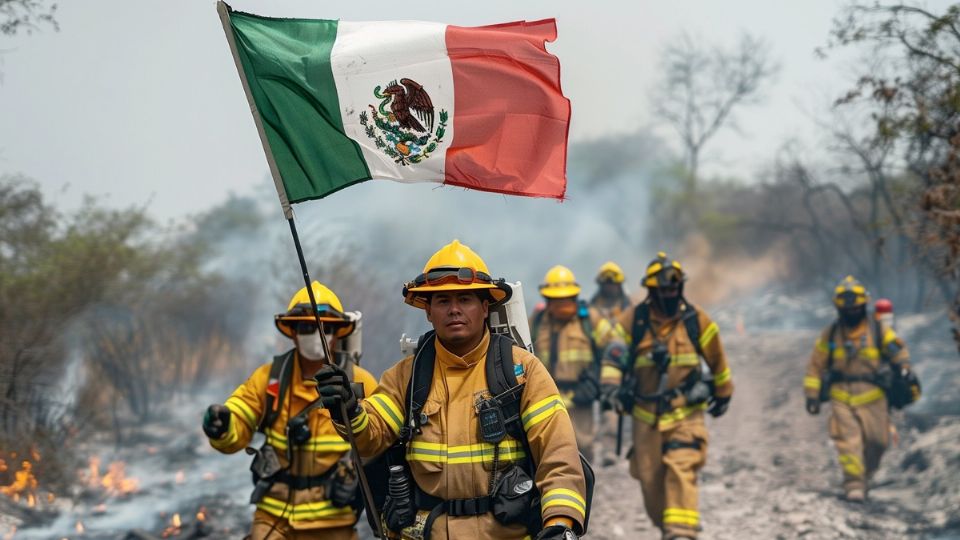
861	435
667	463
267	527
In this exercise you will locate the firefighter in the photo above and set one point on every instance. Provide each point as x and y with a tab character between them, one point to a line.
862	368
564	337
662	385
453	467
305	484
610	299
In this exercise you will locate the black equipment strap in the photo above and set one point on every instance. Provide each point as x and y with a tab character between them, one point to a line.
641	324
304	482
282	371
692	324
695	444
830	345
421	379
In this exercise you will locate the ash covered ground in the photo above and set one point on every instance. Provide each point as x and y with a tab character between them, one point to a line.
771	470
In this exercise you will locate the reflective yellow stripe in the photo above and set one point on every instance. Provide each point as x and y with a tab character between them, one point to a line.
856	400
622	333
600	332
707	336
685	359
812	383
870	353
668	418
822	346
308	511
851	464
609	372
564	497
541	410
388	411
510	450
576	355
681	516
359	423
320	443
889	337
723	377
239	408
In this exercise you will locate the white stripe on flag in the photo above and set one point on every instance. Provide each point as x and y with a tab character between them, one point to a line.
371	54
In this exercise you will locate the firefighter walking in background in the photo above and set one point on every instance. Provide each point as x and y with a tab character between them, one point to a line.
305	484
564	337
862	367
663	340
477	438
610	299
609	302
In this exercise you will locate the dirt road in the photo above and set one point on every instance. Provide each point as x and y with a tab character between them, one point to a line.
771	471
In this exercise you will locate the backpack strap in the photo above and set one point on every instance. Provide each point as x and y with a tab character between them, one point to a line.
583	311
692	324
281	371
418	389
502	383
830	345
641	324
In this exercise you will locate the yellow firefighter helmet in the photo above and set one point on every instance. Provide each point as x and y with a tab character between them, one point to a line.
328	306
663	271
559	283
610	272
850	293
455	267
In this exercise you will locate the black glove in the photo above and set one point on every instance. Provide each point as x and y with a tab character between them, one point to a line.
333	385
718	406
557	532
813	405
216	421
588	389
608	398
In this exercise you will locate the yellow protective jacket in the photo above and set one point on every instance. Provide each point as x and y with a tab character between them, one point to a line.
683	360
448	460
304	508
867	352
574	346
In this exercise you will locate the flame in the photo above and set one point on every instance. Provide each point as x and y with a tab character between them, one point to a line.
180	478
202	514
80	528
24	485
115	481
174	528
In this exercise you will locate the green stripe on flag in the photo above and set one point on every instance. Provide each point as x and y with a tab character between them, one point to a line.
287	66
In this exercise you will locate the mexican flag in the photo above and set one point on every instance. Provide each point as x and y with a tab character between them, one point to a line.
337	103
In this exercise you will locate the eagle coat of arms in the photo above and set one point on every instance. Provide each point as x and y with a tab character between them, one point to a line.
406	131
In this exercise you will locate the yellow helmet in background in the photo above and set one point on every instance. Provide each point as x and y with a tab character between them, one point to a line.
610	272
663	271
559	283
455	267
328	306
850	293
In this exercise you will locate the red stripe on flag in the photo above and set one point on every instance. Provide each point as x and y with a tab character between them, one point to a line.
511	119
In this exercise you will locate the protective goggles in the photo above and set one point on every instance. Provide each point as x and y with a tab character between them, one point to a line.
850	299
443	276
308	327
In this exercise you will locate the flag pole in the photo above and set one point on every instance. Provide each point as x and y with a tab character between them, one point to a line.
224	11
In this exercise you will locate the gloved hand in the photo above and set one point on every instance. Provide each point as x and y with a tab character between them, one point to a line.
718	406
608	398
813	405
557	532
333	385
216	421
588	389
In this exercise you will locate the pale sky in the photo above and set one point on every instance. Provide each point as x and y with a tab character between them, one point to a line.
141	101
